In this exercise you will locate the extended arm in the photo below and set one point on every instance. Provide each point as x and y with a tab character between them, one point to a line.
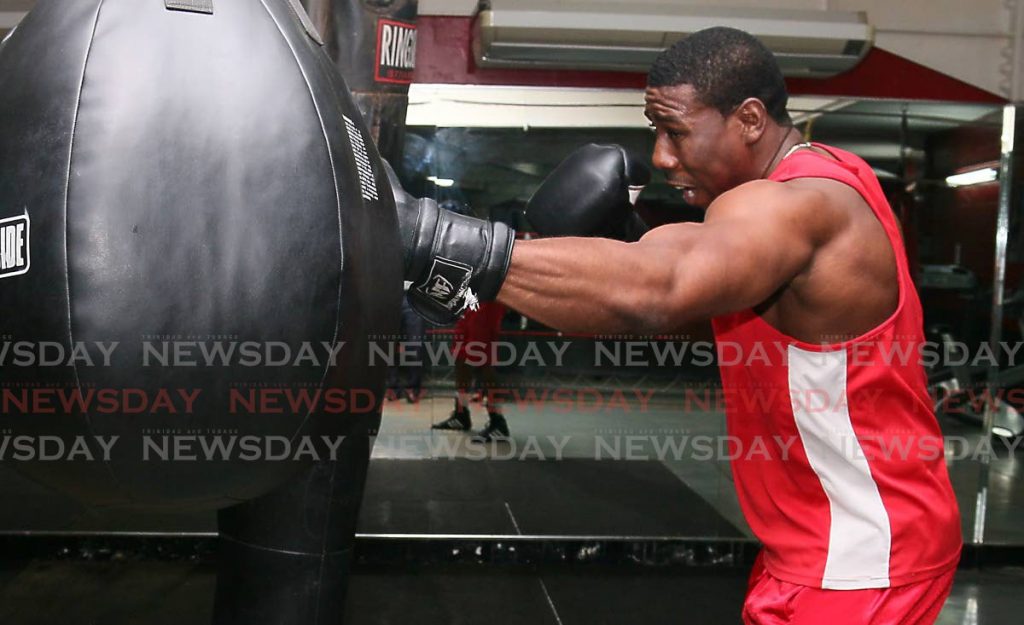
755	239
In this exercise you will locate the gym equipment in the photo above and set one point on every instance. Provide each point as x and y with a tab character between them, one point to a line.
188	184
958	388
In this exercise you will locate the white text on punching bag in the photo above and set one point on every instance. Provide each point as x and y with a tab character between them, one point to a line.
14	257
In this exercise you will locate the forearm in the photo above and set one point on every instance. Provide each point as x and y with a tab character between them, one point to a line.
599	286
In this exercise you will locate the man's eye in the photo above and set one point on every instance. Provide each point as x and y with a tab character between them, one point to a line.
674	134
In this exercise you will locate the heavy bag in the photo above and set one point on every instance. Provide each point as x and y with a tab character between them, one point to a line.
199	245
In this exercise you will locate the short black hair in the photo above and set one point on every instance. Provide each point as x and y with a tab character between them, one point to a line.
725	66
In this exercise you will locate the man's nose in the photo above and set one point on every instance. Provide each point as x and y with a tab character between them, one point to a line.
663	157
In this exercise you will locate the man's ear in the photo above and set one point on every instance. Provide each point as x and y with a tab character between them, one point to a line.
753	119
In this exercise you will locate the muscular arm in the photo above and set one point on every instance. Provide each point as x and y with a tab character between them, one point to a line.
754	240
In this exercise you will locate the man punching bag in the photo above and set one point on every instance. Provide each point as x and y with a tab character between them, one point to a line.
198	244
373	43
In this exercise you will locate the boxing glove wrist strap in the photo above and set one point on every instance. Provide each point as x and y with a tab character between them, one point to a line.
455	262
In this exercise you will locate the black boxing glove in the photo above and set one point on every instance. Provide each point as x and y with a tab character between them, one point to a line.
451	261
591	193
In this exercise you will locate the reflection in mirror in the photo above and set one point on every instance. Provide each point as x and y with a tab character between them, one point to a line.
619	436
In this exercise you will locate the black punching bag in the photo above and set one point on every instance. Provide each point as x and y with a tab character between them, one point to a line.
199	244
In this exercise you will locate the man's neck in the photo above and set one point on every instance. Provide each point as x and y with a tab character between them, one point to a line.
779	142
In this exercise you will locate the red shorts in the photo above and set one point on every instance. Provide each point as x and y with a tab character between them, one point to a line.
771	601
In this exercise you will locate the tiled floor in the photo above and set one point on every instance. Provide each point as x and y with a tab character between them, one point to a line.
984	598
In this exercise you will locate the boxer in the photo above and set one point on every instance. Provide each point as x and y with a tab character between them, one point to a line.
799	246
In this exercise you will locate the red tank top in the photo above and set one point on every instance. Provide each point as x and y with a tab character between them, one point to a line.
841	470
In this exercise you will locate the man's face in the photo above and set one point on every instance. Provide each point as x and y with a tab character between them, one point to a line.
700	151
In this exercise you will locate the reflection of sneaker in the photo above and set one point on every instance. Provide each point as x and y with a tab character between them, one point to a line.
496	430
458	421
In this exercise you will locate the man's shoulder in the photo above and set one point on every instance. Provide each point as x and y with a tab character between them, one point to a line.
768	198
811	205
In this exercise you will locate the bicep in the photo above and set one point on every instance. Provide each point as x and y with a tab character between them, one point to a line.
745	265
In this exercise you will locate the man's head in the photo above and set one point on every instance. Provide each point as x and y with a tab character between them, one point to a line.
717	101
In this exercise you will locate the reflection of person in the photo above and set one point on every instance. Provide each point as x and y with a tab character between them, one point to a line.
475	334
405	378
799	260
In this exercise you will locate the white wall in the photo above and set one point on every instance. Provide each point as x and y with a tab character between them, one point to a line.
976	41
488	106
972	40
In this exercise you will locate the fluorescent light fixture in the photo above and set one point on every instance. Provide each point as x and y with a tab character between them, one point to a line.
441	182
977	176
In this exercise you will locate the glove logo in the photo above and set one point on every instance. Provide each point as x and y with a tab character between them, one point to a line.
440	289
14	246
447	281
